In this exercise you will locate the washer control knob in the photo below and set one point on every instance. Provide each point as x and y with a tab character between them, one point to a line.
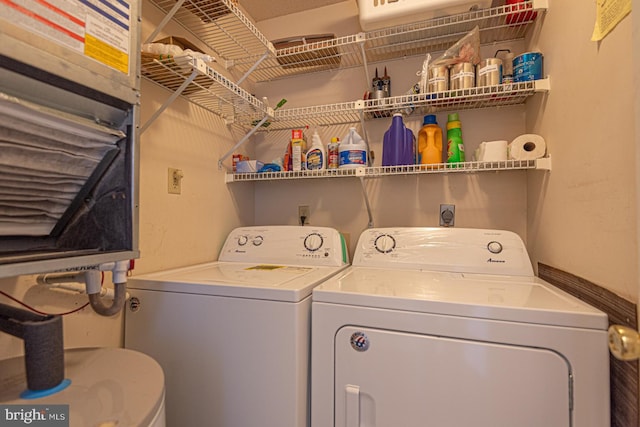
494	247
313	242
257	241
242	240
385	243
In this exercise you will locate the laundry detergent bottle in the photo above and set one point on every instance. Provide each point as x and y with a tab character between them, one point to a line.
353	151
430	141
398	144
316	156
455	146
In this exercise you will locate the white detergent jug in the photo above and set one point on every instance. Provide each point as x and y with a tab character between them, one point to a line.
353	151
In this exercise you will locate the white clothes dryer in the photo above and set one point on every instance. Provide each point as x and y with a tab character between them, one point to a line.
450	328
233	336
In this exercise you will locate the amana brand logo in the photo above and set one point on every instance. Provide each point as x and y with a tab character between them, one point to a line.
36	415
496	260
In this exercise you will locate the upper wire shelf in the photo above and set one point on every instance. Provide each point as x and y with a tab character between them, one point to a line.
221	25
238	44
499	24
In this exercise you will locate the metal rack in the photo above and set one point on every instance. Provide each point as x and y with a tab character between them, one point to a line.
419	104
238	44
380	171
397	42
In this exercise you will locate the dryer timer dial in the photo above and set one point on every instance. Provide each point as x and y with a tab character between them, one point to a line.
384	243
313	242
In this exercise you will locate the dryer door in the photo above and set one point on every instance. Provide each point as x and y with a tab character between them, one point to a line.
386	378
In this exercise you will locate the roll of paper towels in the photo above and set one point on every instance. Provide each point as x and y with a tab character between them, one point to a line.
527	147
492	151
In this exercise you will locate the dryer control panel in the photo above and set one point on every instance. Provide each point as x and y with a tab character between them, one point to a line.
463	250
290	245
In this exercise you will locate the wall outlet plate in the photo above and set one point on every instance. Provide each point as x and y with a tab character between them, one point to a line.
174	181
303	212
447	215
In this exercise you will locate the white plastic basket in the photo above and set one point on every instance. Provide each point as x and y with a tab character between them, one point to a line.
385	13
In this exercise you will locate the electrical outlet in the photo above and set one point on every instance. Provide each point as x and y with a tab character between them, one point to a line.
447	215
174	181
303	214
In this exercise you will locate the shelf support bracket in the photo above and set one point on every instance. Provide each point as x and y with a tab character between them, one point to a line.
360	106
246	137
361	39
253	67
169	100
168	17
366	202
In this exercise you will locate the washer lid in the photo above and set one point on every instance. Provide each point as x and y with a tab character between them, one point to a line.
109	386
277	282
508	298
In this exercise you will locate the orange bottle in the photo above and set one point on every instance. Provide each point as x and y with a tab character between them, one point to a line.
430	141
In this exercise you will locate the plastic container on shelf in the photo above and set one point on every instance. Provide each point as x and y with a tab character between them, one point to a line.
316	156
333	153
430	141
398	144
455	145
353	150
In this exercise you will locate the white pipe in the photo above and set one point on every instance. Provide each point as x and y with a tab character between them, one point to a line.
92	280
80	288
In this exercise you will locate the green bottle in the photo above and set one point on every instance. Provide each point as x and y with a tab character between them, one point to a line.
455	146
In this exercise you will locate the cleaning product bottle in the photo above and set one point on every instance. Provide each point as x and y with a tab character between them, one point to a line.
353	150
455	146
316	156
398	144
333	153
297	150
430	141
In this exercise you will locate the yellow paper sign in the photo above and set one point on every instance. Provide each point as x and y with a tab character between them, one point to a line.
608	14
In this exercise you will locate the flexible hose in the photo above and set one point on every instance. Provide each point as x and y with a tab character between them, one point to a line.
119	297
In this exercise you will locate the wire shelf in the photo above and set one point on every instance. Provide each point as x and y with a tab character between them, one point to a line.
236	41
419	104
380	171
221	25
504	23
209	90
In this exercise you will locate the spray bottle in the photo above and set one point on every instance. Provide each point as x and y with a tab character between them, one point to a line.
316	156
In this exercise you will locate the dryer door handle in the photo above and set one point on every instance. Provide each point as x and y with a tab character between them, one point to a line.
352	406
624	342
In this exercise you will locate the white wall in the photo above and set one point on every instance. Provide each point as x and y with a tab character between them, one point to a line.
583	215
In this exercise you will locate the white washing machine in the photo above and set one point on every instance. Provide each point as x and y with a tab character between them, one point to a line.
104	387
450	328
233	336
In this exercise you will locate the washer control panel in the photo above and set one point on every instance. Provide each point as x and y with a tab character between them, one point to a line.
292	245
461	250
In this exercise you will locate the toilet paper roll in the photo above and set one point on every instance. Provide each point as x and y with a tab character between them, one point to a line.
527	147
492	151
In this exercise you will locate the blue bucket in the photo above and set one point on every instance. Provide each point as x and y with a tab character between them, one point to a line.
527	67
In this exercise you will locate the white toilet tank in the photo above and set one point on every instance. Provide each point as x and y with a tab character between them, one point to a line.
107	387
